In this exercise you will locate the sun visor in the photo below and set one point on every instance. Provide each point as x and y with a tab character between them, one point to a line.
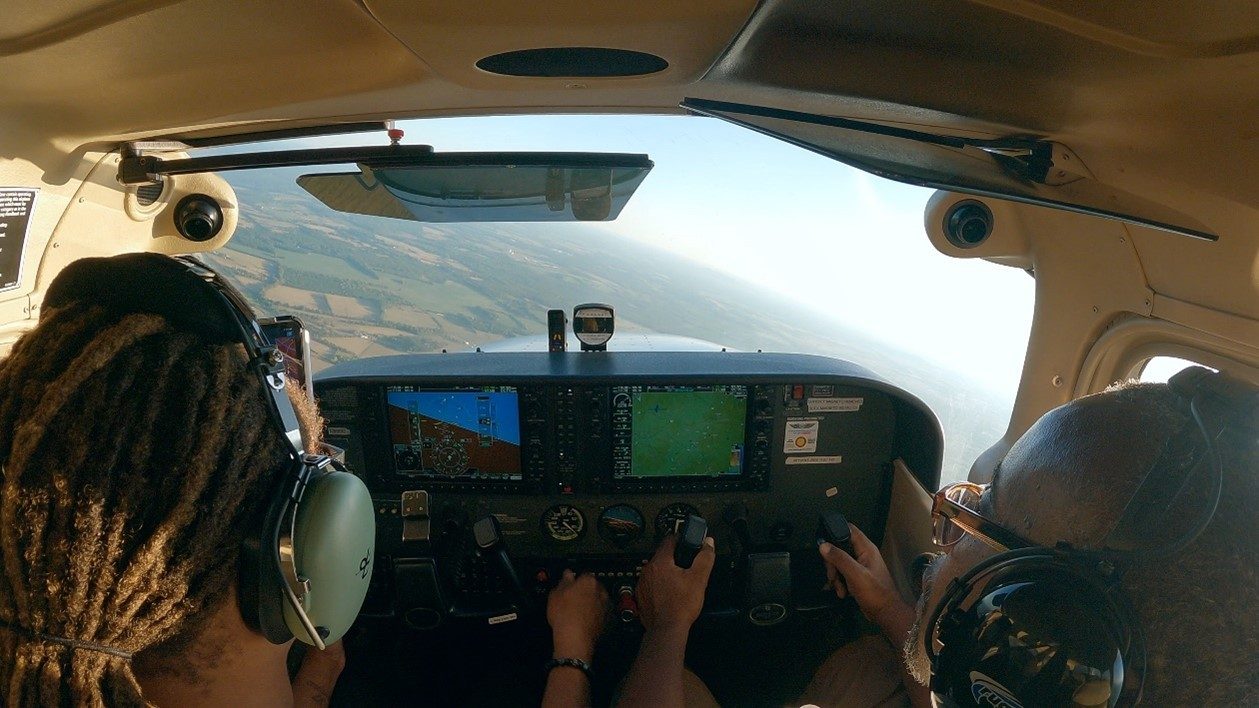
1018	168
593	188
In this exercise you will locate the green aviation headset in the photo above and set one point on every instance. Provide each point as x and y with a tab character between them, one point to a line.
305	570
1040	626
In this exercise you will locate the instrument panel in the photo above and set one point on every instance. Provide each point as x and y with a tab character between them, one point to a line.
586	460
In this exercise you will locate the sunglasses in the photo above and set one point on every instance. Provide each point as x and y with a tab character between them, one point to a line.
954	515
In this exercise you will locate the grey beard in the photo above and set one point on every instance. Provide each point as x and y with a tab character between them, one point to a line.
915	649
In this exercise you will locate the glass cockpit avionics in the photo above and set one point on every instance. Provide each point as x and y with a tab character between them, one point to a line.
641	437
457	433
678	431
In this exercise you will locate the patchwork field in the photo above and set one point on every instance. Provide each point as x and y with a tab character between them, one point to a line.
368	286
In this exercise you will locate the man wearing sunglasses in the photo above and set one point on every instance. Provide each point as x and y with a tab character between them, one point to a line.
1070	479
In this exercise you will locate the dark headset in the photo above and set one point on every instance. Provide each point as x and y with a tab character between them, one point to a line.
305	569
1052	626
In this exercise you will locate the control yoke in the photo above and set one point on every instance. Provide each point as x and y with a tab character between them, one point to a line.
690	540
832	528
488	535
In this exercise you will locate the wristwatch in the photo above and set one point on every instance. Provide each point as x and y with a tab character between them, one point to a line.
575	663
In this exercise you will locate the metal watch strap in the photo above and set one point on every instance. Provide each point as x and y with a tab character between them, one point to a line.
574	663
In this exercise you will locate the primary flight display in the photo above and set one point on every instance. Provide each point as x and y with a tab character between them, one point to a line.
471	433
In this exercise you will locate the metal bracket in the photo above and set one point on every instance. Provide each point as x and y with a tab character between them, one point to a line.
137	167
415	516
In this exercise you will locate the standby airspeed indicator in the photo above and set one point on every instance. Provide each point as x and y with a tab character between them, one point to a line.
563	523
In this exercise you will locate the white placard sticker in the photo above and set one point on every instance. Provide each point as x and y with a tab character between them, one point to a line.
801	436
16	207
835	405
816	460
509	617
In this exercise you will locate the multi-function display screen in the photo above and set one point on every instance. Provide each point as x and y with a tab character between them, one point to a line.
678	431
456	433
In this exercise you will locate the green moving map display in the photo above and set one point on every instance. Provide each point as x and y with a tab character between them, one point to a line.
688	433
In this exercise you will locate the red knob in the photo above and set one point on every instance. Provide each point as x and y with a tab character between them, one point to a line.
626	605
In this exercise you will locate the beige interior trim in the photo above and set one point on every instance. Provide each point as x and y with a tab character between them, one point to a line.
90	214
1126	346
908	531
1131	41
74	24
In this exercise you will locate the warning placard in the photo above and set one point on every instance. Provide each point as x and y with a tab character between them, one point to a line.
834	405
801	436
16	204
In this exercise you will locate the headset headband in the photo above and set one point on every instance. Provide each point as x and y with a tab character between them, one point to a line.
1213	406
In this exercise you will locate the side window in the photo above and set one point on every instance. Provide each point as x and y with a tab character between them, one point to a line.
1161	368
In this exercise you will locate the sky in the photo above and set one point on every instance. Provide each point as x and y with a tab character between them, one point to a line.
844	244
840	241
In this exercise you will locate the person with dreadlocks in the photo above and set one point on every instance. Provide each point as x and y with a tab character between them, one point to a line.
134	457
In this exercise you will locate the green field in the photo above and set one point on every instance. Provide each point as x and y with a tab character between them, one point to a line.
686	433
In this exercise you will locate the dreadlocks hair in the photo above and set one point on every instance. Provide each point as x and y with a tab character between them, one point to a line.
135	458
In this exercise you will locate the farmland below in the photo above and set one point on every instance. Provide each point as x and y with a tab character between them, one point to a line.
369	286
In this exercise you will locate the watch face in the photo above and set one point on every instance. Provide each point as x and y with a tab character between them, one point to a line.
593	325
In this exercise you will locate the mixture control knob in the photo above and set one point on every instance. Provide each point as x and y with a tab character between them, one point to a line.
626	605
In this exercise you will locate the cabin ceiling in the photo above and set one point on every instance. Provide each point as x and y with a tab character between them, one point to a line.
1156	98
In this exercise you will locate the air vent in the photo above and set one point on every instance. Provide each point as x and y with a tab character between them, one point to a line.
146	194
573	62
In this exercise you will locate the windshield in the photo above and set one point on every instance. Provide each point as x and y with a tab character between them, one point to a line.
734	238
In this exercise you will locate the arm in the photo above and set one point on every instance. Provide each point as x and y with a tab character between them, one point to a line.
576	610
669	601
867	579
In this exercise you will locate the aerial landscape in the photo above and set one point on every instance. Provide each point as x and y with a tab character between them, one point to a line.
370	286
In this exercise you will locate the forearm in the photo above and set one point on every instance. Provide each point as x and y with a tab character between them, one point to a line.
566	687
896	624
655	679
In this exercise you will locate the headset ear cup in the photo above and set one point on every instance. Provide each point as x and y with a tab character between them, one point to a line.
999	623
334	541
261	599
946	630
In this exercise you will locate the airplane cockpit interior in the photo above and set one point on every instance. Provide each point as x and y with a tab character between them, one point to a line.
570	281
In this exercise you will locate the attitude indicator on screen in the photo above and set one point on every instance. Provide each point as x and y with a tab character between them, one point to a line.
455	433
